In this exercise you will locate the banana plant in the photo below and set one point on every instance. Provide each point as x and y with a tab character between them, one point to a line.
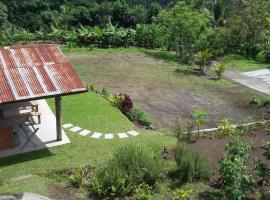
56	34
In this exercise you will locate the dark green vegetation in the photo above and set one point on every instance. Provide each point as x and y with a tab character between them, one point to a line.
188	27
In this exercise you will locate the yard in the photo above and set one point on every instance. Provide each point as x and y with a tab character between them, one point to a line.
163	87
158	84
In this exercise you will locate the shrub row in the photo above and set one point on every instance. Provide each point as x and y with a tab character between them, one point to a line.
143	35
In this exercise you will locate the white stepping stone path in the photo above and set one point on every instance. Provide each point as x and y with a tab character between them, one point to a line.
122	135
133	133
67	125
108	136
75	129
84	132
96	135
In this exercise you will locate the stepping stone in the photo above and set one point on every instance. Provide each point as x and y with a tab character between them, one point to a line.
122	135
133	133
96	135
75	129
67	125
84	132
109	136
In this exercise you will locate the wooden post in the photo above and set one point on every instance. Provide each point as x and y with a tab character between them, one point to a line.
58	118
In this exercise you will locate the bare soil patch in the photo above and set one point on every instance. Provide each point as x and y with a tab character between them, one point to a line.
165	95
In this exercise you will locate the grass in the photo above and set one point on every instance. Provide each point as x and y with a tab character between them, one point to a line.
93	112
243	64
96	114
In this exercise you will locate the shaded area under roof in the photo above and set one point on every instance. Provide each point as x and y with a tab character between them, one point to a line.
36	71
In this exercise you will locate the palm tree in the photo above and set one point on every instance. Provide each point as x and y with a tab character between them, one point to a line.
203	59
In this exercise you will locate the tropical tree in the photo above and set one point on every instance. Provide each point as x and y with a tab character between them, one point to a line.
220	68
203	59
200	117
183	27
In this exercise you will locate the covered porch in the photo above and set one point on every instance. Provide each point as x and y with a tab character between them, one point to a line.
45	137
28	75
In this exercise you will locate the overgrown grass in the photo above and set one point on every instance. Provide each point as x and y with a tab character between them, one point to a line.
243	64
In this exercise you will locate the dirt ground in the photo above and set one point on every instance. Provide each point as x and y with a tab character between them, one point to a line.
213	149
154	86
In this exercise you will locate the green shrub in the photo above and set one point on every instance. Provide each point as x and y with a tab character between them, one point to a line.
116	100
182	193
260	57
266	102
226	127
143	192
191	165
255	101
104	93
234	171
262	170
220	69
200	117
137	115
130	166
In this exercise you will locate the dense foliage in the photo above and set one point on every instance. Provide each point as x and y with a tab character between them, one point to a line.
130	167
233	169
189	27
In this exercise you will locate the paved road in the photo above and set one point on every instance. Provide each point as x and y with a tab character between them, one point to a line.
258	80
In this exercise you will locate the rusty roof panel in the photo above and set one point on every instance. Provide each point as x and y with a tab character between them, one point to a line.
36	71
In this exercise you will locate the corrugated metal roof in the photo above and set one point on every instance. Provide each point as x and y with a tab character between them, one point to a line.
36	71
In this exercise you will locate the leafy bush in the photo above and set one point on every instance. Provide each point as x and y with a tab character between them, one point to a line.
143	192
137	115
220	69
182	193
130	166
203	59
104	93
266	102
255	101
262	170
191	165
200	117
127	104
233	169
116	100
226	127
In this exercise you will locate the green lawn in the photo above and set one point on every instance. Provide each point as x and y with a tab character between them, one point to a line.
88	111
243	64
93	112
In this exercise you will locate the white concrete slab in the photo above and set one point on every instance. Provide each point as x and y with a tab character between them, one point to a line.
109	136
84	132
264	78
122	135
133	133
75	129
46	136
67	126
260	72
96	135
30	196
